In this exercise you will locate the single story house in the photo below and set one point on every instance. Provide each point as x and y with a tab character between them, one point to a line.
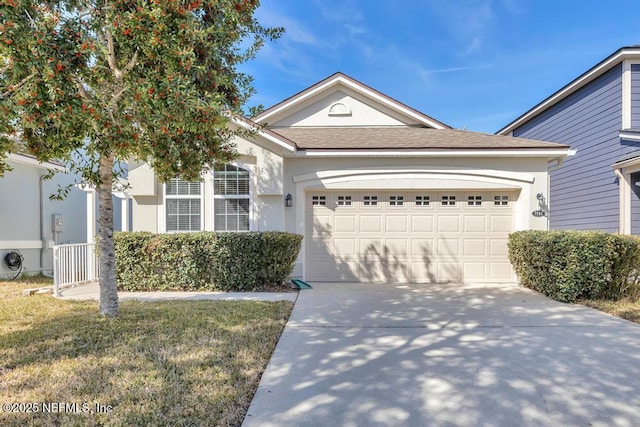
379	190
598	114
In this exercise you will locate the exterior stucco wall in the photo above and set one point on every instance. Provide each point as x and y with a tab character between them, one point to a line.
265	165
584	192
20	216
316	113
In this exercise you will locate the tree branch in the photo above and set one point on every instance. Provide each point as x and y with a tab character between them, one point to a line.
111	55
15	87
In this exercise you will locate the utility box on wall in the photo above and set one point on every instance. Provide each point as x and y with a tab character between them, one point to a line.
58	223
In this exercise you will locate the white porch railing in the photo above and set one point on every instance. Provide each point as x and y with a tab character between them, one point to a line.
74	264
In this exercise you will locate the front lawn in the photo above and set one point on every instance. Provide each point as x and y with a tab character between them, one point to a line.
158	363
624	308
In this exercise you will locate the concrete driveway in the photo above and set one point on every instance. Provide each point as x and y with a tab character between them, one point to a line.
448	355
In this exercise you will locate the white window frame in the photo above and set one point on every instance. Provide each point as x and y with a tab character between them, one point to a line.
183	197
449	200
396	200
318	200
501	200
250	197
344	200
370	201
475	200
422	201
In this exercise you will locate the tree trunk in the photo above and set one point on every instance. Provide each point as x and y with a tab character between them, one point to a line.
108	289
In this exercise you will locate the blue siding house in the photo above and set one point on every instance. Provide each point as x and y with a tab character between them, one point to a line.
598	115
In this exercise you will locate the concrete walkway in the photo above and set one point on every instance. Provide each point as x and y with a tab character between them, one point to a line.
91	291
448	355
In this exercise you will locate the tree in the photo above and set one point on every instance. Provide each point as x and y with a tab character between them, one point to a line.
93	82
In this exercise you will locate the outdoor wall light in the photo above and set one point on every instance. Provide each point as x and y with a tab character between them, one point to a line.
288	200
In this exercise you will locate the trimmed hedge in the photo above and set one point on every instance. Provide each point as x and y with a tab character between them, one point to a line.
204	261
572	265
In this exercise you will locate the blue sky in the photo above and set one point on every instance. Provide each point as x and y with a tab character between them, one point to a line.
474	64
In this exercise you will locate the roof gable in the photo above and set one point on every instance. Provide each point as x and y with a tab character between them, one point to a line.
340	100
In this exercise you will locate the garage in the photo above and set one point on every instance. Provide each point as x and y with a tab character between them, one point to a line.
409	236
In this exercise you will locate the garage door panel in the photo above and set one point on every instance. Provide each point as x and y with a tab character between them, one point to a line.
448	247
368	245
322	225
424	242
448	271
396	224
345	224
475	271
398	247
422	224
475	224
385	271
475	247
345	247
422	247
371	224
422	272
448	224
332	271
320	248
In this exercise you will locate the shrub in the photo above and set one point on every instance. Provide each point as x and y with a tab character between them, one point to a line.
570	265
204	261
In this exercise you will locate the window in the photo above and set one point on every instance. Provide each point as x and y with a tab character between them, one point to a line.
501	200
370	201
183	201
448	200
231	198
474	201
344	200
318	200
422	200
396	200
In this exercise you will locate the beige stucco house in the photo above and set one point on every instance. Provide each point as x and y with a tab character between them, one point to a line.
380	191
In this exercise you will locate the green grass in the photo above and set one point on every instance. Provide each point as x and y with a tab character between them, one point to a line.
625	309
159	363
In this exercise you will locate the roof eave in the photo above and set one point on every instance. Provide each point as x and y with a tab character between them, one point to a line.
271	136
549	153
28	160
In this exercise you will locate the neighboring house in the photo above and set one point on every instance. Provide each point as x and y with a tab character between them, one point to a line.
30	222
598	114
380	191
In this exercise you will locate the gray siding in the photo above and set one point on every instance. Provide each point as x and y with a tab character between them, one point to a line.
635	96
584	192
20	215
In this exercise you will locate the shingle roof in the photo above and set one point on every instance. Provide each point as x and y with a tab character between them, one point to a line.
403	138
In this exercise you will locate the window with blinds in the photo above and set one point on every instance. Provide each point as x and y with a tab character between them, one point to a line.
183	202
231	194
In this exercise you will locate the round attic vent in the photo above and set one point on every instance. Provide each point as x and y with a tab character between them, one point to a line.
339	109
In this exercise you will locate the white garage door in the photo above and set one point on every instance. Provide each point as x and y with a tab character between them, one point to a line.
408	236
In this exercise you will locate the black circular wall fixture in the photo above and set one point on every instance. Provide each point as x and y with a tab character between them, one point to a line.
14	261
